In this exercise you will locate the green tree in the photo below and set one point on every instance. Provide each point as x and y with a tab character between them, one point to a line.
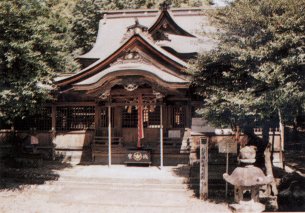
86	16
135	4
34	45
258	70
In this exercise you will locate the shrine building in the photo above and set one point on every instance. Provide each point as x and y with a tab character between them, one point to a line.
132	101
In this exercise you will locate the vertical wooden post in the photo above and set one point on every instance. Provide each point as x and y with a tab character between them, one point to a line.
97	117
189	114
109	135
161	137
53	118
204	157
53	128
227	166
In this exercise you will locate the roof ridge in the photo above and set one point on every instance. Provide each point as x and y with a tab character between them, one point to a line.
152	12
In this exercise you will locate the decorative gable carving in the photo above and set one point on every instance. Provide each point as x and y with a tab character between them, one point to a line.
166	24
131	56
164	6
135	29
137	26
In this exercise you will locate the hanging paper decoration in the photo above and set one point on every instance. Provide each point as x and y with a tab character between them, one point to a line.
140	121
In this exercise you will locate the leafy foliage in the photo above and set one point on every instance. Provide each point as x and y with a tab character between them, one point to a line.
34	44
85	25
136	4
258	69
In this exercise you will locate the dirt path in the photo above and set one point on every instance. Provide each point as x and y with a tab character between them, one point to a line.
103	189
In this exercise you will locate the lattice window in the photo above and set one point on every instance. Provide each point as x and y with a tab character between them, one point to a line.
42	120
151	117
75	118
130	117
104	117
178	117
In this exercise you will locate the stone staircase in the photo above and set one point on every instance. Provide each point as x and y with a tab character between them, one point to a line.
96	188
132	187
129	188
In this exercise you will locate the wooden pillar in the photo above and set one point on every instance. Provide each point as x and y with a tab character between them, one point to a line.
204	157
109	135
118	120
189	114
53	129
170	116
165	118
53	118
97	117
161	136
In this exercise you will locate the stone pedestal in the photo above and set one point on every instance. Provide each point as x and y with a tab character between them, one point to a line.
247	178
247	207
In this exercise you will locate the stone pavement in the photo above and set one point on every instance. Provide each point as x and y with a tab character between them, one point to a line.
97	188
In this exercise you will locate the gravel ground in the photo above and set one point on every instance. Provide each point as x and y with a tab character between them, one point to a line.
96	188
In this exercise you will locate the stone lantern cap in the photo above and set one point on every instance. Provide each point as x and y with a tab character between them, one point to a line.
247	176
247	154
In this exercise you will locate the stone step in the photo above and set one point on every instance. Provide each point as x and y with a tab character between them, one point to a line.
90	188
132	196
131	180
147	185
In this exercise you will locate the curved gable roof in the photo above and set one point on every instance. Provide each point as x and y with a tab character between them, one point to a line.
101	64
166	17
130	69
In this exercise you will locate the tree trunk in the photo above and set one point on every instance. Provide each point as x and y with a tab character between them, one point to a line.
269	171
282	131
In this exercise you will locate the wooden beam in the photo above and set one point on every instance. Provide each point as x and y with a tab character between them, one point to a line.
74	104
126	104
135	92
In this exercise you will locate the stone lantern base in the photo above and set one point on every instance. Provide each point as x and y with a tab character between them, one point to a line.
247	207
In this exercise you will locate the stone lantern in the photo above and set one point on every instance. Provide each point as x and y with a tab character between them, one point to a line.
247	177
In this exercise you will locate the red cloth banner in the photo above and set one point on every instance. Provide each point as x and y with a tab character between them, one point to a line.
140	121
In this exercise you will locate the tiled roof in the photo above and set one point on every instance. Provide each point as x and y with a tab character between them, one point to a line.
183	44
113	39
159	49
114	25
